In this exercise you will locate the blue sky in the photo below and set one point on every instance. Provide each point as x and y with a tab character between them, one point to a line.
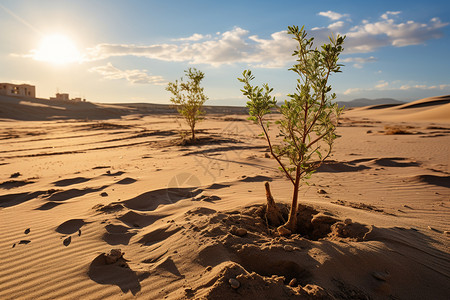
127	51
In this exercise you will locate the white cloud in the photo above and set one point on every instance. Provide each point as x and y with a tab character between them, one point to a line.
274	52
228	47
382	84
240	46
388	13
332	15
395	86
358	61
108	71
352	91
370	36
336	26
194	37
425	87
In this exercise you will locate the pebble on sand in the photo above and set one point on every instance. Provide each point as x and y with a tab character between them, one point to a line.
27	231
238	231
113	256
235	284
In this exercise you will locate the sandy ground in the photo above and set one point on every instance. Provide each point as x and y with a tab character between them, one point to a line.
120	209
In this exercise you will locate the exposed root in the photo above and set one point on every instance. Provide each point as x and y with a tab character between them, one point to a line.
273	213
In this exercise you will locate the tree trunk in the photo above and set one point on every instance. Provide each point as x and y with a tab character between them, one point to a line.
291	224
193	133
273	214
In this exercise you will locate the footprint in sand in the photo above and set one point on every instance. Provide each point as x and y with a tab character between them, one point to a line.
27	231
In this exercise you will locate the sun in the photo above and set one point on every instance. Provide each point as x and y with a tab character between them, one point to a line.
57	49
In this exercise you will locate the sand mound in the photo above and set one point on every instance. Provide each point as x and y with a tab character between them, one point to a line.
294	266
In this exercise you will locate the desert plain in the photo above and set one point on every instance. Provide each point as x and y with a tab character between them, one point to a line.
105	201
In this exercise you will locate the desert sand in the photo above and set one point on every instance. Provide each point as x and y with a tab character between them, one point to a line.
106	202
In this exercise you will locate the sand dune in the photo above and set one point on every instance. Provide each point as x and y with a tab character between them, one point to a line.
433	109
120	209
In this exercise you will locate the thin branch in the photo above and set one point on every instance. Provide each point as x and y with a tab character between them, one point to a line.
271	151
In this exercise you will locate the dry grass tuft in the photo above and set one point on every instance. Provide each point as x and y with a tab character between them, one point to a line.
390	130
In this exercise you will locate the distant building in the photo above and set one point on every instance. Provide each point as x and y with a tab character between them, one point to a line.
22	90
65	97
61	96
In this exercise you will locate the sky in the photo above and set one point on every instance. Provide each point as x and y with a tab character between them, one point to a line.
115	51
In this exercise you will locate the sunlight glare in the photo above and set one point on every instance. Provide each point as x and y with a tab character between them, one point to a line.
57	49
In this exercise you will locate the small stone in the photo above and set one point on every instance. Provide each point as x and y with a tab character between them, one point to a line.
238	231
208	268
348	221
283	231
447	232
293	282
235	284
15	175
369	131
79	232
266	155
288	248
113	256
383	276
24	242
14	245
322	191
104	194
27	231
